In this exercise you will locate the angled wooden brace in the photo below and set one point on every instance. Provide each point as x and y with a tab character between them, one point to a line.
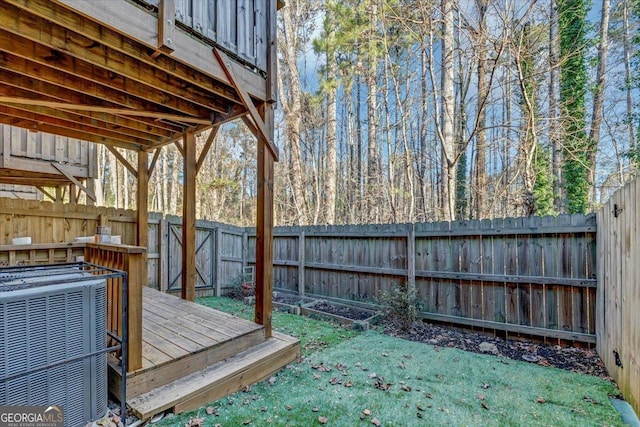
77	183
225	63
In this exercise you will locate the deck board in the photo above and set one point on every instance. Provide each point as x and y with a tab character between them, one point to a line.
181	337
185	313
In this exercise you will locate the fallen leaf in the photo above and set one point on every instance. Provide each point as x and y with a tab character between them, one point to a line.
263	409
246	422
419	407
372	375
340	367
289	407
335	381
376	422
401	365
366	412
247	389
406	388
540	399
428	395
246	402
210	410
322	420
485	386
348	384
419	414
481	397
272	380
381	385
315	409
485	406
385	354
195	422
316	376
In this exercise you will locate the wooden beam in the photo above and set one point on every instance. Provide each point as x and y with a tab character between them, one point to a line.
86	122
156	155
124	161
189	217
179	146
46	193
114	111
225	63
143	86
207	145
142	236
67	43
166	25
18	86
95	31
72	90
37	126
74	181
264	231
36	117
141	26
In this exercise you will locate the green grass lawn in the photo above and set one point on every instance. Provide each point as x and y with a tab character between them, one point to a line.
349	379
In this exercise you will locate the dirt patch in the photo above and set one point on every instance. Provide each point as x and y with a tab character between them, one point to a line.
572	359
341	310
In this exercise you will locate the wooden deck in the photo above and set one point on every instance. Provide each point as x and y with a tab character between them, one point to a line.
192	354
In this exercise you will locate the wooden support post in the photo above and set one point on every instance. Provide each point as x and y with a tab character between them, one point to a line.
136	268
301	243
264	233
142	237
166	25
267	154
189	217
72	194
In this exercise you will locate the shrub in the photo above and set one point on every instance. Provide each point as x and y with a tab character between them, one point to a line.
402	304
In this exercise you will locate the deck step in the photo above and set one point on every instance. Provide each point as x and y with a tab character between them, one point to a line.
220	379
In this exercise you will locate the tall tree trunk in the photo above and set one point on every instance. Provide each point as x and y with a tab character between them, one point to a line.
373	170
291	99
573	90
331	161
447	137
627	73
598	96
480	170
554	128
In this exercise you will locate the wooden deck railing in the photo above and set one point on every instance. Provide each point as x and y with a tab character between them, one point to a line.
130	259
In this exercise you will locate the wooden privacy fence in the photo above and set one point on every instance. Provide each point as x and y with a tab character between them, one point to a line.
531	276
519	275
220	255
618	296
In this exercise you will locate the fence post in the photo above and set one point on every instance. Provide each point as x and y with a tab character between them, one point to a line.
163	260
301	243
411	258
218	258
